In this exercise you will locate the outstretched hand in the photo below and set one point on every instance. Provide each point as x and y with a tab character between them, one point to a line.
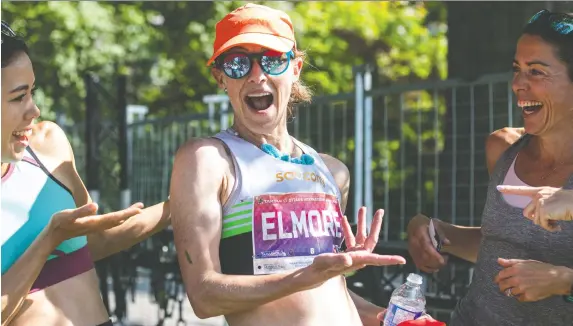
71	223
359	250
548	205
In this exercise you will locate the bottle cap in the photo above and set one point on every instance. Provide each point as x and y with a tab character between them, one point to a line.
415	278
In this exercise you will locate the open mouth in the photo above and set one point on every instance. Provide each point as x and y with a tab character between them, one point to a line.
530	107
259	101
22	135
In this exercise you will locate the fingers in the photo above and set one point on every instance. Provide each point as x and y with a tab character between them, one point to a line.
333	262
429	252
375	228
348	235
519	190
86	210
110	220
137	205
509	262
425	256
361	227
529	210
367	258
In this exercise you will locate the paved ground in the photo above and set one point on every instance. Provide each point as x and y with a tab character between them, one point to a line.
144	312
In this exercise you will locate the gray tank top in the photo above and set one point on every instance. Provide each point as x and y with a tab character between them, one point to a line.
507	234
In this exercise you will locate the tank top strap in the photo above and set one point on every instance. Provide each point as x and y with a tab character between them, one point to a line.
505	161
320	163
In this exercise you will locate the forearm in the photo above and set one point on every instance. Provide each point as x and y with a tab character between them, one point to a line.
367	311
137	228
18	280
220	294
464	241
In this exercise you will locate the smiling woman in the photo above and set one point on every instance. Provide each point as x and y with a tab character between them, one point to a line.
50	231
16	97
543	69
522	269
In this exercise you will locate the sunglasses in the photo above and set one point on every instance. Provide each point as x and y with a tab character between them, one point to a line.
239	64
561	23
6	30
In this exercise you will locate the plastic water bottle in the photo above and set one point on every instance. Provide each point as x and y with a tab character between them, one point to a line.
407	302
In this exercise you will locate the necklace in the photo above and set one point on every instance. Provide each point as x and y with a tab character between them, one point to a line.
552	171
271	150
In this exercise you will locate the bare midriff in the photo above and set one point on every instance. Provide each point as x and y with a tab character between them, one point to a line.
330	304
74	302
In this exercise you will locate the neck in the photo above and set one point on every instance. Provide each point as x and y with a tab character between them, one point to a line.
279	138
5	168
555	148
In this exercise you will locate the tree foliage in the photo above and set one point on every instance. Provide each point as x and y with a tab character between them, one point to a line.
163	47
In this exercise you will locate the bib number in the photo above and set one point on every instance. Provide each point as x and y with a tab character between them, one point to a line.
289	230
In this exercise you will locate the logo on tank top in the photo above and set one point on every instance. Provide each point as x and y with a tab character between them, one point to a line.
283	176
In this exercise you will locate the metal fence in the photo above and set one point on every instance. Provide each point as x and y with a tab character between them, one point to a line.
411	148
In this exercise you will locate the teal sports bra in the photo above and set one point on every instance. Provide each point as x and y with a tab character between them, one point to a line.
30	196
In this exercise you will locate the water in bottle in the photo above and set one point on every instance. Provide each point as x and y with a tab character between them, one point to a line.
407	302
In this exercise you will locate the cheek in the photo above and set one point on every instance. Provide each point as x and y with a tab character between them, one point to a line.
10	117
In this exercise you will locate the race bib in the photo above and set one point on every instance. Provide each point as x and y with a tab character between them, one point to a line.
289	230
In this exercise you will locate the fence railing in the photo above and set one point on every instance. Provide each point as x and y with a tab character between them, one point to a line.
411	148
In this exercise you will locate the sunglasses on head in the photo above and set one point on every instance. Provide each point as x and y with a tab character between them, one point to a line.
237	65
6	30
561	23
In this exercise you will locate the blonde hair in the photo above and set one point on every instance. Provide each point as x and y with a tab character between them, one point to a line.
300	93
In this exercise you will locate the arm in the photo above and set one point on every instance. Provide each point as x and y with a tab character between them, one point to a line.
464	241
367	311
18	280
140	227
51	141
198	181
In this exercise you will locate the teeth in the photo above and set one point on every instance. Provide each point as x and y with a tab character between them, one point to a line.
259	94
26	133
523	104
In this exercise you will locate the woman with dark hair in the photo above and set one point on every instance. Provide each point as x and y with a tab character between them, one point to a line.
50	231
524	272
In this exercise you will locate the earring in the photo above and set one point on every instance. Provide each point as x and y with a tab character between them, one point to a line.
225	90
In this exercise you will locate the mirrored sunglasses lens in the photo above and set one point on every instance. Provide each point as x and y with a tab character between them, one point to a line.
236	65
563	27
274	62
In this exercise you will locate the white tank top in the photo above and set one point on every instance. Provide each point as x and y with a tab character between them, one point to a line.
280	215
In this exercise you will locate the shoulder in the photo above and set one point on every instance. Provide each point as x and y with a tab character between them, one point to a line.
338	169
50	141
205	154
203	149
498	142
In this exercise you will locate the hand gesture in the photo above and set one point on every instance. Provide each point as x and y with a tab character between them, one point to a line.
530	280
71	223
423	252
547	206
358	253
